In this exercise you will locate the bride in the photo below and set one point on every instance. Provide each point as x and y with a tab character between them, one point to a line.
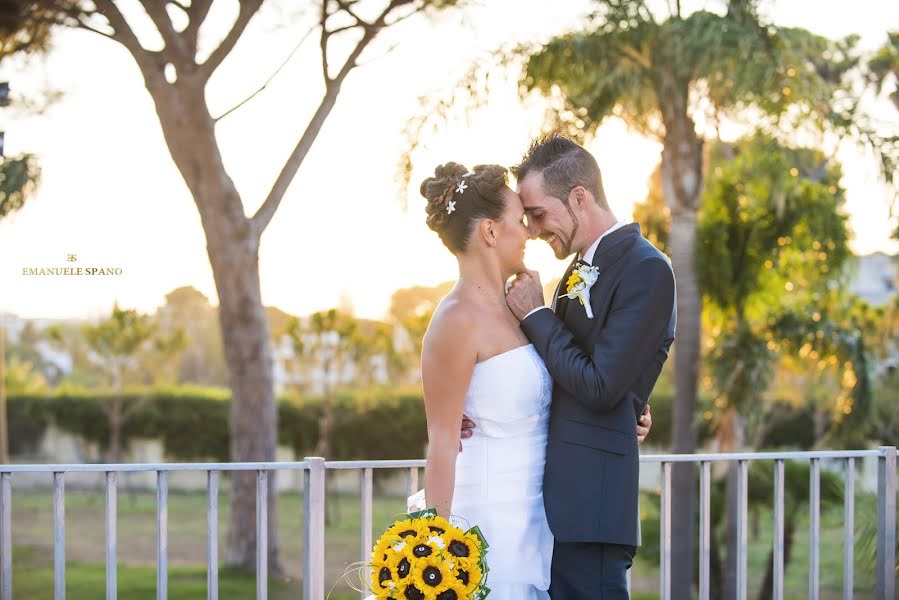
477	361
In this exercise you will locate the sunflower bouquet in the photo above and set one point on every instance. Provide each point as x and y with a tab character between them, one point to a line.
424	557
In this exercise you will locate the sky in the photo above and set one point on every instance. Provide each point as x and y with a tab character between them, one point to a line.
344	233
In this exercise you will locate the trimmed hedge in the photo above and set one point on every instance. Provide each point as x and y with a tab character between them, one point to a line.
193	423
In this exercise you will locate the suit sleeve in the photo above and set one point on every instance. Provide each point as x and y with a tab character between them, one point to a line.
599	378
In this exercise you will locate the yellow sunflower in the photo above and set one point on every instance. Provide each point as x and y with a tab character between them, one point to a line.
383	580
465	546
433	575
380	554
402	529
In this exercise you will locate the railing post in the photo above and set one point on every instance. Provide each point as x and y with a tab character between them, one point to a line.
6	536
778	591
413	480
705	509
111	510
665	532
314	529
261	535
162	535
848	528
212	536
886	523
814	529
742	528
366	519
59	536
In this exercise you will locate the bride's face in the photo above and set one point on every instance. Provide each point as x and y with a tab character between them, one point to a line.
513	234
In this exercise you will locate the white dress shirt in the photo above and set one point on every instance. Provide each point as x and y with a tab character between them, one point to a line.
589	254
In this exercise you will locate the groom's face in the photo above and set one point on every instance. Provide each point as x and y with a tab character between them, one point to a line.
549	218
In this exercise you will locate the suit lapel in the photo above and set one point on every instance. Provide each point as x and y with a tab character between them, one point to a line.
611	249
614	246
559	305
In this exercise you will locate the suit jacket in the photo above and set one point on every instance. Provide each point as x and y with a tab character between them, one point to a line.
604	370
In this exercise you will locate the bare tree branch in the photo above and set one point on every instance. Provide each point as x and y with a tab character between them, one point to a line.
347	7
323	41
185	8
123	34
88	27
248	8
269	80
264	214
175	50
197	13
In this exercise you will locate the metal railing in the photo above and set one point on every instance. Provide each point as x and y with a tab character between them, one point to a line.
314	491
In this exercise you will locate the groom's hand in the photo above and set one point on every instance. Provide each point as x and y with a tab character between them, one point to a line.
467	429
644	424
524	294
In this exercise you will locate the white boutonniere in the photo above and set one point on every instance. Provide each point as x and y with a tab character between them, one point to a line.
579	284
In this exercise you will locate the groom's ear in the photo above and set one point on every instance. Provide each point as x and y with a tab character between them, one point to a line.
580	196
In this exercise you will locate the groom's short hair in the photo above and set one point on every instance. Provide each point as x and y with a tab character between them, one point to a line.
565	164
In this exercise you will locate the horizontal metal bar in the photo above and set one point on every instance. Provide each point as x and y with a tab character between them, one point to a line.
374	464
692	458
142	467
393	464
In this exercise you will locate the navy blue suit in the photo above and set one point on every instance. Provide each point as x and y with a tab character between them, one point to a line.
604	370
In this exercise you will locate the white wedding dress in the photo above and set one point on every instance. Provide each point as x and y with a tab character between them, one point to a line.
499	473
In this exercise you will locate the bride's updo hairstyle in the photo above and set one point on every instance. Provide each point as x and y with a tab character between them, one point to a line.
452	213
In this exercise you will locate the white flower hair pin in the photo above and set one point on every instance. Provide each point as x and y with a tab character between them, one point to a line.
579	284
461	186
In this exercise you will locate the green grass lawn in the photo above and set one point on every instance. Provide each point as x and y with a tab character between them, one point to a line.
85	575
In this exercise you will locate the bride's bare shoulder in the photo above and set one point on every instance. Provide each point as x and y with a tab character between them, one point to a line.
454	323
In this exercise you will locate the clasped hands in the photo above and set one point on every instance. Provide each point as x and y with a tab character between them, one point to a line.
524	293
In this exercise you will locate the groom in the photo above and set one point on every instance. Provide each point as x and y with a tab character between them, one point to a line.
604	367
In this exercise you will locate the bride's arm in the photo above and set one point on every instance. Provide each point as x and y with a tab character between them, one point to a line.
447	361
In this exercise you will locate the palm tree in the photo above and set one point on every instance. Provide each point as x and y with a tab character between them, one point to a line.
660	73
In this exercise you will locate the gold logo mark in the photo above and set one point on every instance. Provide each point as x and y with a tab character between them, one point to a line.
88	271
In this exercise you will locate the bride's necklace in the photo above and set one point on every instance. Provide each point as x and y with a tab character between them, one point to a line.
486	293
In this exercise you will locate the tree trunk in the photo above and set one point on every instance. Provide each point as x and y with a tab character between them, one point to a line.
767	590
114	416
731	434
716	576
233	247
682	181
253	422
